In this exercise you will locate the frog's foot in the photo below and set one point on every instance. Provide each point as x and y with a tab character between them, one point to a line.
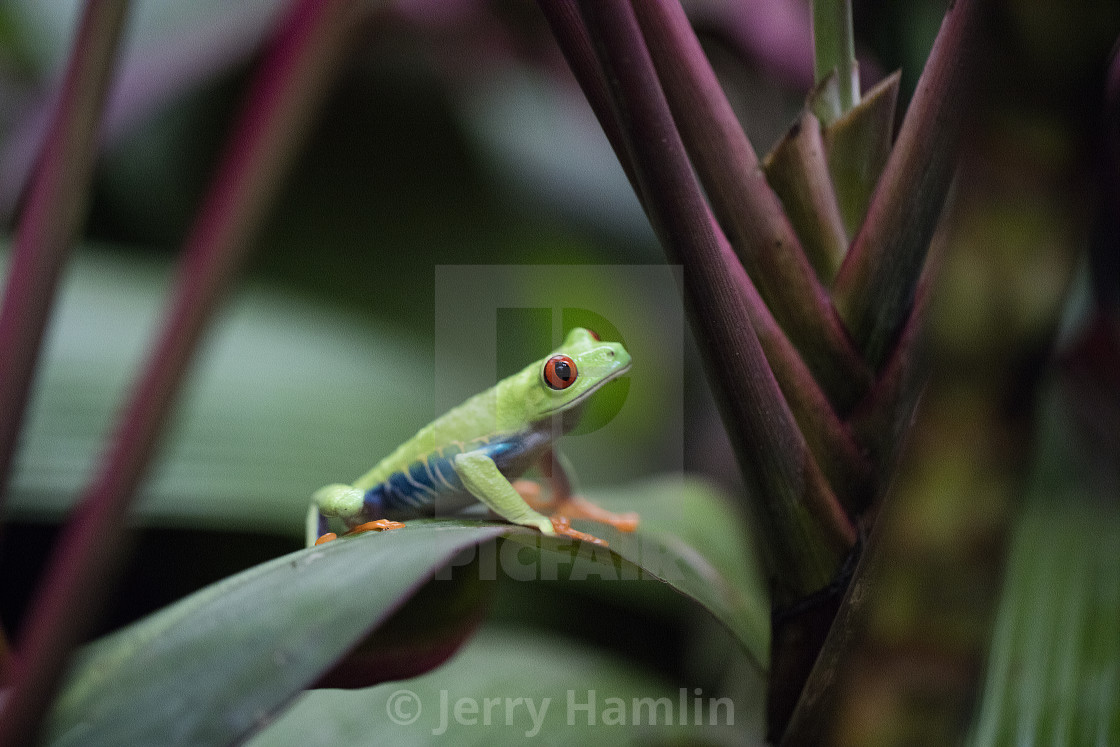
575	507
563	527
380	525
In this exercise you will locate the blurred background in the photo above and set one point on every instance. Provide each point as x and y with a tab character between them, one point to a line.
454	135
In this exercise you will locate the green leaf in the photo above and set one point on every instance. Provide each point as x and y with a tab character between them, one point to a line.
511	666
691	538
285	398
797	169
216	665
874	289
1054	667
858	145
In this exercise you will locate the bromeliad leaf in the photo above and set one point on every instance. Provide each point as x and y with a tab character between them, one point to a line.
572	690
219	664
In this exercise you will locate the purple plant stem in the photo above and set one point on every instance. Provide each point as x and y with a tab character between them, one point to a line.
830	440
567	26
56	206
147	81
797	170
747	207
806	532
285	91
874	289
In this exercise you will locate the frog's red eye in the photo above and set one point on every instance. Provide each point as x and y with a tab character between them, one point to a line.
559	372
595	334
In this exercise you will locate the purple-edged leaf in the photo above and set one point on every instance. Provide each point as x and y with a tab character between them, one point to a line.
875	288
883	420
219	664
420	636
807	532
216	665
858	145
519	668
745	204
840	458
797	169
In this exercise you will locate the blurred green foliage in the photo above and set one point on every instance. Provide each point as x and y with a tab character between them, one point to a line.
433	150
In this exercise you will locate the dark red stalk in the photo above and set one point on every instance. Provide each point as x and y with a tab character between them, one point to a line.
828	438
831	441
797	169
284	93
805	530
147	80
874	289
746	206
567	26
54	211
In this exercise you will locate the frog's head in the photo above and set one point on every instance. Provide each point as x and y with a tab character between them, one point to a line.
564	380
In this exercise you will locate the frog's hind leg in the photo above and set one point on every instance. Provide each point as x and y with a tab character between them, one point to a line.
563	503
345	502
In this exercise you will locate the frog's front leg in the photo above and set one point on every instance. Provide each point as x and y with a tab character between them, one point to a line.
563	503
482	479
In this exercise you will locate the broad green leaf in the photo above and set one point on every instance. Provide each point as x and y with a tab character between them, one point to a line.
1054	667
214	666
217	664
577	696
285	397
691	538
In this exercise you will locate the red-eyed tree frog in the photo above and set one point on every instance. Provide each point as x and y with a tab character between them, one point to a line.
474	452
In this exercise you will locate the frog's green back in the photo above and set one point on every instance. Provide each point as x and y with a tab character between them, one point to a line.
512	405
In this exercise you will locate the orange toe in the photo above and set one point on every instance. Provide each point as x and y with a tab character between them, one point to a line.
563	526
380	525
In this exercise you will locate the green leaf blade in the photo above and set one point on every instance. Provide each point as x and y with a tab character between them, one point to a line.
510	665
247	644
218	665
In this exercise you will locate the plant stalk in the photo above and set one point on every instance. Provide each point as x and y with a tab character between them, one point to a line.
285	91
746	206
834	49
56	206
874	290
807	534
